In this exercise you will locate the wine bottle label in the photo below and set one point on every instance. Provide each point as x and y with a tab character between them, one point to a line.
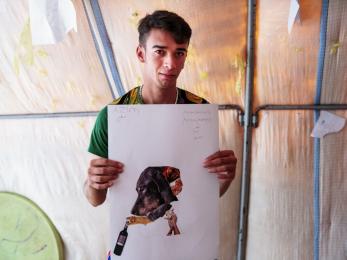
121	240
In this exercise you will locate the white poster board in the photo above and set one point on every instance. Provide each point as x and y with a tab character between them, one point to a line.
179	136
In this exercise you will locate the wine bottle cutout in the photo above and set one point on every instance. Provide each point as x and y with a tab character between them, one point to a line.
122	238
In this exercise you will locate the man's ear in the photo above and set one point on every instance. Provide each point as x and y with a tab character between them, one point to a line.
140	53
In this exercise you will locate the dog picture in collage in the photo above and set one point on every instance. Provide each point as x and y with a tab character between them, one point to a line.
157	187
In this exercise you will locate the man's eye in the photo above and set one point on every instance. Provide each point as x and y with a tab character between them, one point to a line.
160	52
180	54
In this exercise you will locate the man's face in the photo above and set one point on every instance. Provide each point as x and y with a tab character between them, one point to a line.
163	59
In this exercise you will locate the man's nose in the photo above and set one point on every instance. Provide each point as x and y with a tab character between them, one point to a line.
170	62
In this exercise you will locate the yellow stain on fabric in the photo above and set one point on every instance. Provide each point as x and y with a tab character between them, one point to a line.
191	55
82	124
298	49
334	48
15	64
25	53
54	103
43	72
138	81
134	18
26	44
240	65
41	53
203	75
95	100
70	86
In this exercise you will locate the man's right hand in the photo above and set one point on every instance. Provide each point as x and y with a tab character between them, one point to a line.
102	173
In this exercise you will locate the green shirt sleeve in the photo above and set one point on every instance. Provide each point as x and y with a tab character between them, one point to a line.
99	138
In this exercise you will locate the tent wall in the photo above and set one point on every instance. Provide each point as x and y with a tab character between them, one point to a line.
333	154
286	64
48	78
281	188
281	199
44	159
283	182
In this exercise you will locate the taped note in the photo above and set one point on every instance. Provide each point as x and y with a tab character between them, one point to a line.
327	123
51	20
293	14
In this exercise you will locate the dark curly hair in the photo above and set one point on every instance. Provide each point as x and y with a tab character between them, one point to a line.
167	21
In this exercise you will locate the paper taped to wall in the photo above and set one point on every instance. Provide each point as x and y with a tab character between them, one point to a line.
293	14
327	123
51	20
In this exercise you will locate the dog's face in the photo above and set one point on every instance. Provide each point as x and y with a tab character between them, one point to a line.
153	191
149	198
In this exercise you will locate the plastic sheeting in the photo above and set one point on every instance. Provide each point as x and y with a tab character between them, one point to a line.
333	194
281	215
281	189
45	160
286	64
333	153
63	77
281	198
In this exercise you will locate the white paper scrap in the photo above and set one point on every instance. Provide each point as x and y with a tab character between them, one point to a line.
293	14
327	123
3	7
51	20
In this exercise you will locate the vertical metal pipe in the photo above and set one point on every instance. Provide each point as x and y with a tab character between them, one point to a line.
247	139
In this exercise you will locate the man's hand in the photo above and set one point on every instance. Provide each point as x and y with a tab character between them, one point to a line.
223	164
102	173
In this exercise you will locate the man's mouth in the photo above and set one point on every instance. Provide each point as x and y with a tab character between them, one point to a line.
167	75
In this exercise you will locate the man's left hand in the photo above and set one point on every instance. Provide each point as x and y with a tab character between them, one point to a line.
223	164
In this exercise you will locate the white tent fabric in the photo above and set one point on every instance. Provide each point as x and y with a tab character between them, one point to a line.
45	160
48	78
333	163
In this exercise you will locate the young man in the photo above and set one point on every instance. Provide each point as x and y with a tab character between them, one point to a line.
163	43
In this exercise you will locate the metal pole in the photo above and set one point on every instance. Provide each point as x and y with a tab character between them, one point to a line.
247	143
255	119
49	115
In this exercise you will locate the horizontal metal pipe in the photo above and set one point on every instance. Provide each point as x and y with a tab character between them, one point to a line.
230	107
302	107
255	117
49	115
89	113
